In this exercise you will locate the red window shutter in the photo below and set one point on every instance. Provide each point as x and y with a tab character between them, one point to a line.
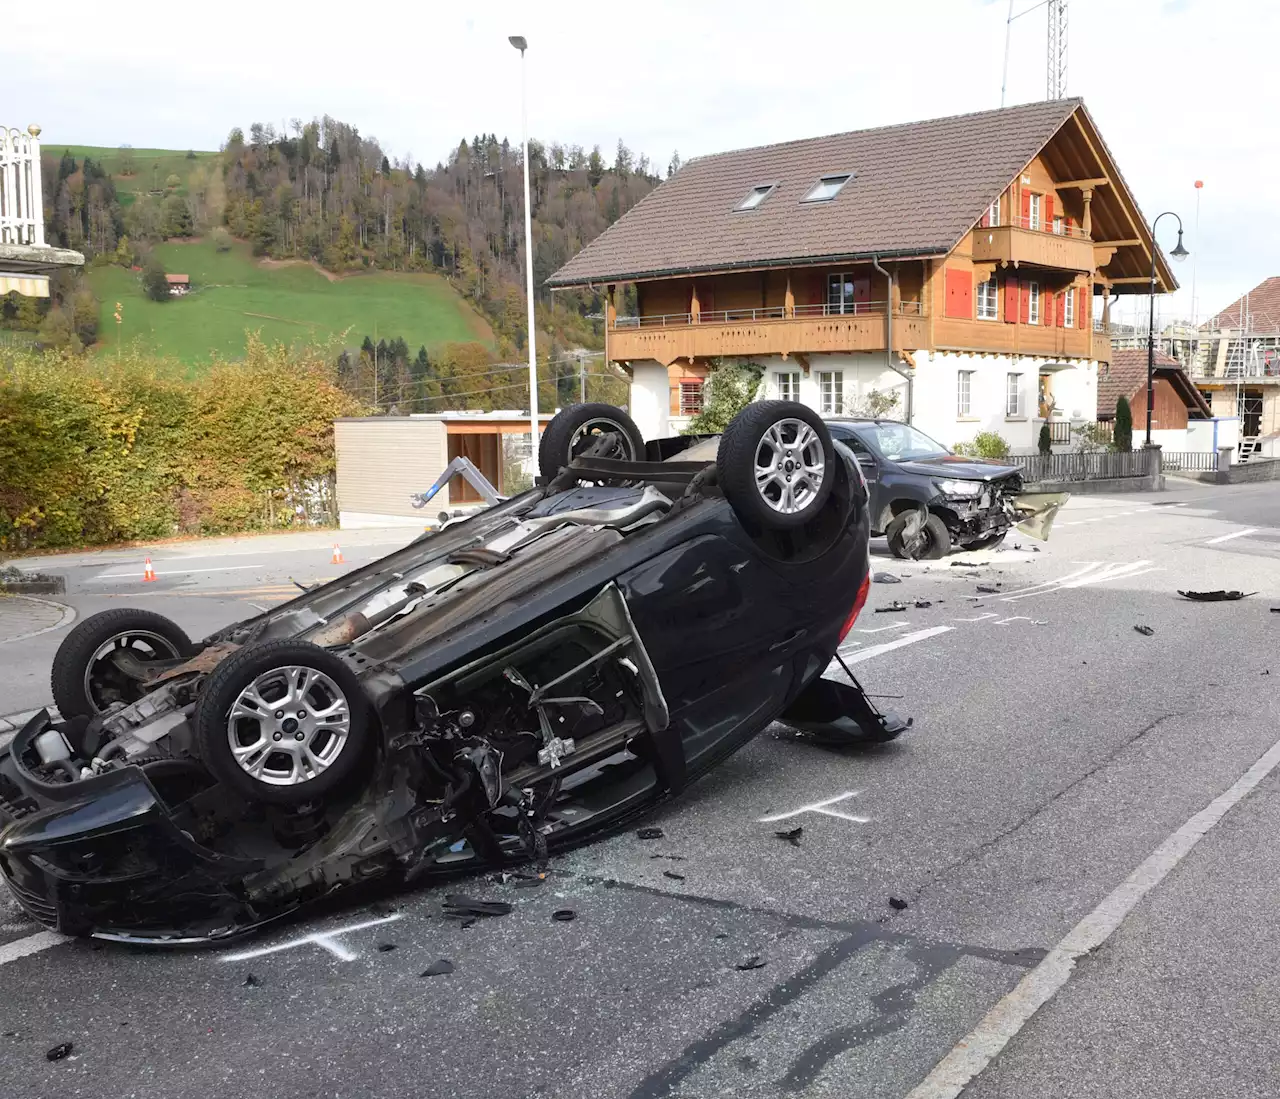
1062	308
1048	212
1010	301
1024	304
959	294
861	291
1026	209
1047	307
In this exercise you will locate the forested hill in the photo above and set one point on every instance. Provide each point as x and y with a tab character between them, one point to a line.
326	193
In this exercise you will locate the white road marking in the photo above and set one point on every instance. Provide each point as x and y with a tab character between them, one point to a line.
881	629
1233	534
901	642
32	944
326	940
1049	585
821	807
1084	577
977	1050
980	618
1015	618
170	572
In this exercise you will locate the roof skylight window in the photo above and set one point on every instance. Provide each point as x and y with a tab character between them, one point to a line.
756	196
827	187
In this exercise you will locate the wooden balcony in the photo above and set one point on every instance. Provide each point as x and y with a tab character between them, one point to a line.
1102	346
1011	244
765	331
950	334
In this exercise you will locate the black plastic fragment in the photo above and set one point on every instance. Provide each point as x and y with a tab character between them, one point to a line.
792	836
386	948
1146	631
252	982
672	858
564	915
894	606
672	875
460	905
649	834
438	969
897	904
751	961
59	1051
886	578
1215	596
989	589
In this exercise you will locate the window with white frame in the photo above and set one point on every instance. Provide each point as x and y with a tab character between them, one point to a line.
788	384
1033	219
1033	306
1059	226
989	300
840	293
756	196
964	392
827	188
1069	308
690	398
831	391
1013	396
993	214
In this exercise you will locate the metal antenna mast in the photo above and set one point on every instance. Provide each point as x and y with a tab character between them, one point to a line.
1056	82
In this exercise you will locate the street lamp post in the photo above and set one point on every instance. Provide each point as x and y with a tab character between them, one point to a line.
1178	253
522	44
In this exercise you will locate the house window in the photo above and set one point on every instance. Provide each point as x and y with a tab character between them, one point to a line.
1033	304
993	214
788	386
989	300
964	389
840	293
690	398
1013	396
756	196
1069	308
831	388
1033	220
827	188
1058	226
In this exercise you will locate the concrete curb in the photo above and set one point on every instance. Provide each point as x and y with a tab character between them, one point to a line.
68	616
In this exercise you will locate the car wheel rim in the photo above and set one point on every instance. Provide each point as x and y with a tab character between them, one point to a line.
105	682
591	430
790	464
288	726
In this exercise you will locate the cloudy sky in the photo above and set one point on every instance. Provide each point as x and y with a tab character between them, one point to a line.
1182	89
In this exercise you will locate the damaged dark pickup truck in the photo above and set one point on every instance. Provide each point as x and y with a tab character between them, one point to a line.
927	501
510	685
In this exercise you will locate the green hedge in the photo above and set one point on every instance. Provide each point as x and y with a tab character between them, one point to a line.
94	451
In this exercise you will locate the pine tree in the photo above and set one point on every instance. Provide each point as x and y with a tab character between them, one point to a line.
1122	439
1046	440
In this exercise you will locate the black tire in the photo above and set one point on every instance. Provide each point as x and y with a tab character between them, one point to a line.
265	665
573	429
753	434
937	539
988	542
82	691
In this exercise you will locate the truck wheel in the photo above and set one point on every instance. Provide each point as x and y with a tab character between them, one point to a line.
776	464
282	723
574	429
86	680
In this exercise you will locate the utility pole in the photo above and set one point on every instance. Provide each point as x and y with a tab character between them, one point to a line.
520	43
1056	77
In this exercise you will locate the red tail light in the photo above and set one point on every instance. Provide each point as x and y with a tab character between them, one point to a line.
859	602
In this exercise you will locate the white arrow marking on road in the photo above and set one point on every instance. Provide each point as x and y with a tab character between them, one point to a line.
1050	585
326	940
980	618
821	807
1233	534
1093	573
1015	618
881	629
901	642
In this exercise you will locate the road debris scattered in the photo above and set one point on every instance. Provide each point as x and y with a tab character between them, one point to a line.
751	961
897	904
564	915
252	982
673	858
792	836
1146	631
886	578
989	589
386	948
460	906
649	834
438	969
1215	596
62	1049
896	605
672	875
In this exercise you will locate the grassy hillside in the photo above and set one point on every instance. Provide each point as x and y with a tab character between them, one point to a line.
289	302
137	171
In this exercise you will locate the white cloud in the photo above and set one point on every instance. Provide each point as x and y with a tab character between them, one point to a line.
1180	88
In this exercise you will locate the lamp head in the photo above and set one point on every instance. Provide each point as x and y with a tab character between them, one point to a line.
1179	253
519	41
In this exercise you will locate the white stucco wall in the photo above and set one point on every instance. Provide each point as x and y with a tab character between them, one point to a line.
1212	434
650	404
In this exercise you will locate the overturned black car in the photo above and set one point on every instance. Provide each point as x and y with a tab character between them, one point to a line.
511	684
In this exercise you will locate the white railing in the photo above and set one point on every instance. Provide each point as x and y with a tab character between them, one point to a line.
21	212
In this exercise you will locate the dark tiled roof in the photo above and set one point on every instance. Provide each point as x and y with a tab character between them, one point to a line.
1264	308
1129	374
918	188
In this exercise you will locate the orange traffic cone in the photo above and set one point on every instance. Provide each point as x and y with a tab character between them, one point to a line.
148	573
336	559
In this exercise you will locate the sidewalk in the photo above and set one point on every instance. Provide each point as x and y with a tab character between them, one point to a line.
23	617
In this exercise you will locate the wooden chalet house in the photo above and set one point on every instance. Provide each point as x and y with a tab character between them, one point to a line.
965	264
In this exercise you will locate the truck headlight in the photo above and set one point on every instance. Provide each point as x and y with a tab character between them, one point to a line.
958	488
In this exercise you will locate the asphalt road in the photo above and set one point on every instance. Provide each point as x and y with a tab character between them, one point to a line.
1051	794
